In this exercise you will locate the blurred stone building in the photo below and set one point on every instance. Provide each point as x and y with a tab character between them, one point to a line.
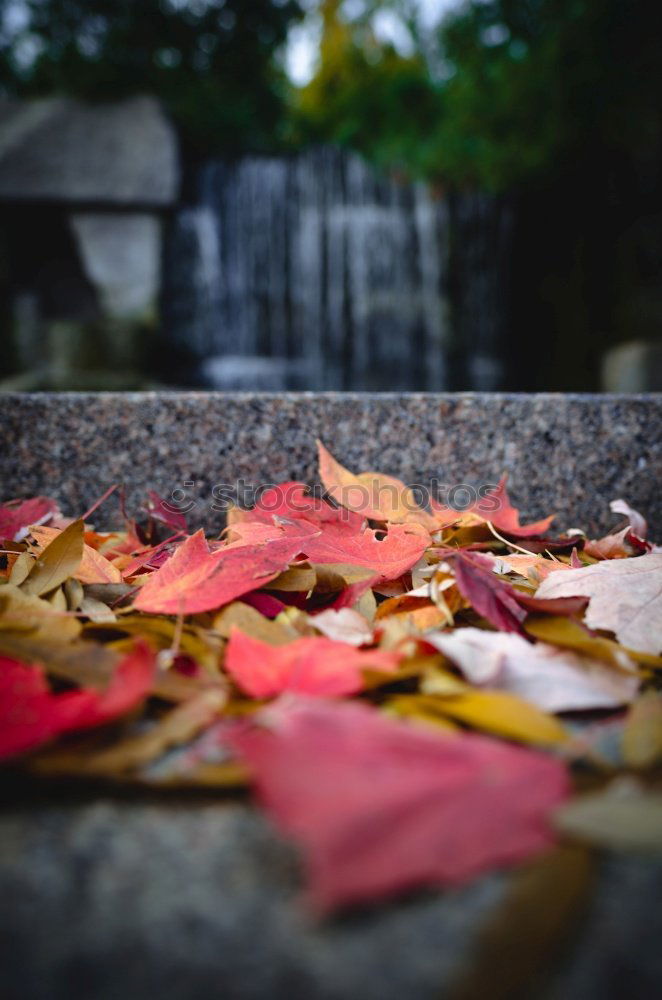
83	195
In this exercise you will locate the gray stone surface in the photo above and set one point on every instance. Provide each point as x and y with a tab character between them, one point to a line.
563	453
110	900
123	900
57	149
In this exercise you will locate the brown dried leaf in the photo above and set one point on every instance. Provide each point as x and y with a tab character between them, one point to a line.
57	562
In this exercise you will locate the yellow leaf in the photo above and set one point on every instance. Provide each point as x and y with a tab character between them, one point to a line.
21	569
161	632
642	733
407	706
22	614
332	577
442	682
506	715
295	579
570	634
58	561
251	622
491	712
94	567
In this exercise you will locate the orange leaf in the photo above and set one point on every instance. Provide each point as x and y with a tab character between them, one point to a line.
379	497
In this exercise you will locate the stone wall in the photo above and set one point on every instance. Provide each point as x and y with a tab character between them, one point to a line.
569	454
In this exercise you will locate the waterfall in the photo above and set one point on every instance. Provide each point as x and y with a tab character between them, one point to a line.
479	264
316	272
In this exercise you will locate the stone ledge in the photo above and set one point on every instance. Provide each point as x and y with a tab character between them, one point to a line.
566	453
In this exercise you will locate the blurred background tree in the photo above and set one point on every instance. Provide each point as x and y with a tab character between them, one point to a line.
499	93
212	62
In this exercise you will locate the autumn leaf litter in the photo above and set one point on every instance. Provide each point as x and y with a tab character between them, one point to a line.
416	696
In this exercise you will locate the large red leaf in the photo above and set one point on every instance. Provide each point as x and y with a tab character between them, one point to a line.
380	806
195	579
313	665
31	715
391	556
334	542
244	533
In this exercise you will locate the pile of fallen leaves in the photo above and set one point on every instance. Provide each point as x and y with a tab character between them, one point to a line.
416	695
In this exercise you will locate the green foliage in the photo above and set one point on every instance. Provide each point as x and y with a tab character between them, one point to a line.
363	96
210	61
523	90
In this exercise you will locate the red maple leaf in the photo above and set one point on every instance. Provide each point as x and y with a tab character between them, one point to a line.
380	806
195	579
312	665
497	508
390	556
30	714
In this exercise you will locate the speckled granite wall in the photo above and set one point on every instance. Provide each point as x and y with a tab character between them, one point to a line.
565	453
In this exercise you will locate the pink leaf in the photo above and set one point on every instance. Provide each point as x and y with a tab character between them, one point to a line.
343	625
380	806
295	501
556	680
15	518
638	523
625	597
314	665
